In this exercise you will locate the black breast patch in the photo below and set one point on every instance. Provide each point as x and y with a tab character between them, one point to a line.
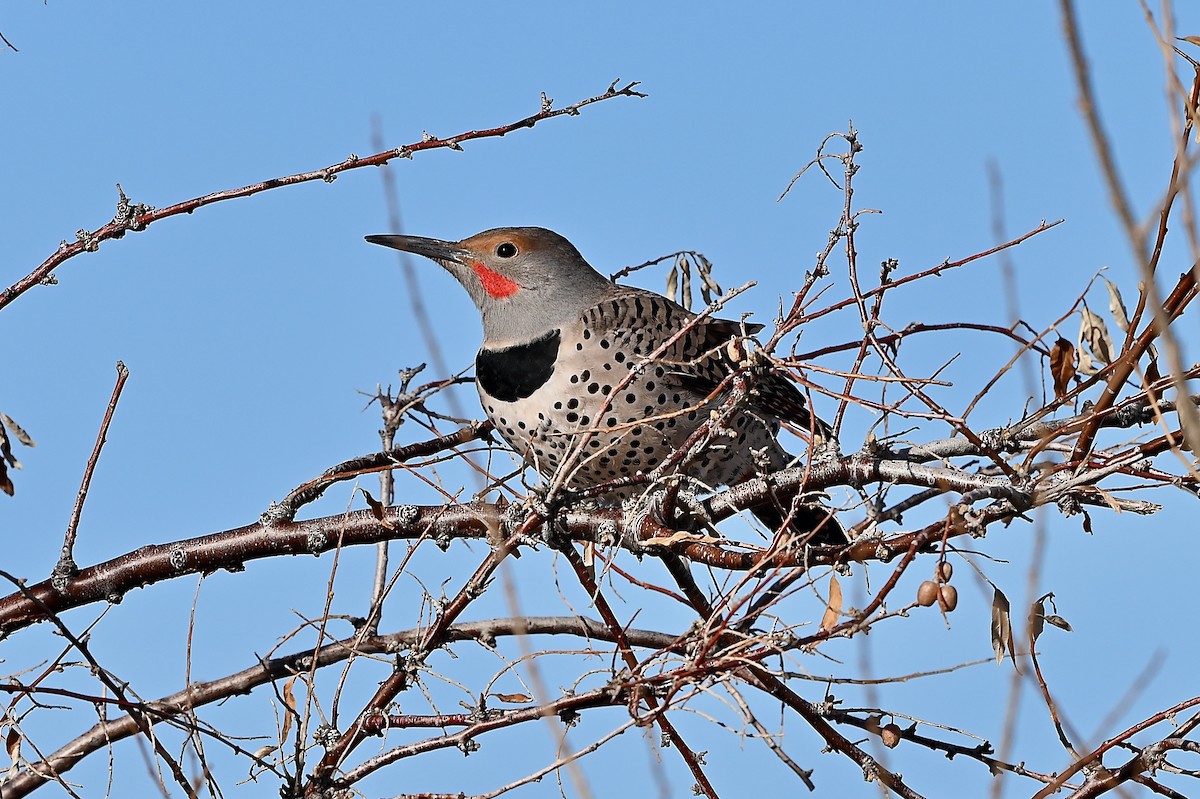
516	372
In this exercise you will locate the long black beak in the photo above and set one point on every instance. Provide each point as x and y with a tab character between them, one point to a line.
436	249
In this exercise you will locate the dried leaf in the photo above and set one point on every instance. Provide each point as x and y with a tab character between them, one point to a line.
833	611
686	284
1086	365
1037	619
1152	373
377	509
516	699
1062	366
1001	626
711	288
673	282
1116	306
6	460
681	536
17	431
289	701
1059	622
1094	333
12	742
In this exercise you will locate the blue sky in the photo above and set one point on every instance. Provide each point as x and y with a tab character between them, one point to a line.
250	326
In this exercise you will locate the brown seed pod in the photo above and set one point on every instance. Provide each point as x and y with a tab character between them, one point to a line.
927	593
945	570
948	598
890	735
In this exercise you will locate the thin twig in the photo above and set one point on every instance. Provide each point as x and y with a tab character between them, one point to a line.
136	217
66	562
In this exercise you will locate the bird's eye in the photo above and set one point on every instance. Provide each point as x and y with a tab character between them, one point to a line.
506	250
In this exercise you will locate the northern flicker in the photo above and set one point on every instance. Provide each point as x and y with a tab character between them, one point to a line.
580	374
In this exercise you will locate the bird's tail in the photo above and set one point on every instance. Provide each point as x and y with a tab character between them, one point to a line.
811	522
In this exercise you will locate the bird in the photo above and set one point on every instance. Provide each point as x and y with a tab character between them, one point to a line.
592	381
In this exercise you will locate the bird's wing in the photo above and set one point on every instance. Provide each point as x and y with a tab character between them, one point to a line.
703	357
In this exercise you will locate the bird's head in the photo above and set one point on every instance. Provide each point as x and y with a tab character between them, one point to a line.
524	280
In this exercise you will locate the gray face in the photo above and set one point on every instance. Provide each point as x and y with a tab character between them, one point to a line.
524	281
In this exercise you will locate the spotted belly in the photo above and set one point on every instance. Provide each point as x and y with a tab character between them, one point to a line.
591	417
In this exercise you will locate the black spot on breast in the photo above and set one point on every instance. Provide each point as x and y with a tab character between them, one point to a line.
516	372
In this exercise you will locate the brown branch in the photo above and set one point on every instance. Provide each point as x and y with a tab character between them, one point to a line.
606	696
137	217
768	683
918	327
66	562
271	537
268	670
1093	758
588	581
936	270
369	464
119	688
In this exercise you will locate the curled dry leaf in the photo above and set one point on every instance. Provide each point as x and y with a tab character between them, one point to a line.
6	457
685	283
1059	622
681	537
1152	373
376	508
516	699
833	611
1094	333
1037	619
1062	366
710	288
17	431
289	701
375	505
1002	626
12	742
1116	305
